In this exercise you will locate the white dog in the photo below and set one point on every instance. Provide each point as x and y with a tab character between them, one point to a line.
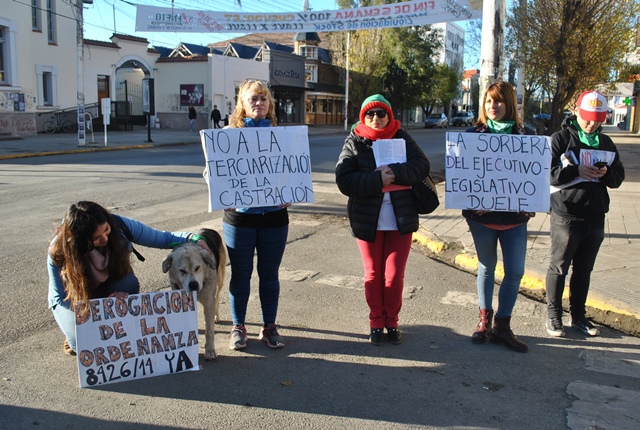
193	268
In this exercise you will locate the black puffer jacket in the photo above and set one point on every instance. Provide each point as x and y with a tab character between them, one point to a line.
585	200
357	178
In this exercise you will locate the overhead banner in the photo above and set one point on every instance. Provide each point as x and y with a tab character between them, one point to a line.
158	19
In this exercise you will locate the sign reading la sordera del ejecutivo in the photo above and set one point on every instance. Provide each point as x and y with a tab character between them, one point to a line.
414	12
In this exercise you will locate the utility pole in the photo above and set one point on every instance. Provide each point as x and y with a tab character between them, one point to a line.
492	44
346	86
80	75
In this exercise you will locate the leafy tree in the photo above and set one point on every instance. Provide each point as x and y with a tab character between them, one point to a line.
412	50
398	62
568	46
368	59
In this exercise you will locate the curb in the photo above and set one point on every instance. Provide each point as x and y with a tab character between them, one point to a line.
599	308
74	151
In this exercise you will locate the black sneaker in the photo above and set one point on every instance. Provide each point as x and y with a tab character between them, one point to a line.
585	326
555	328
395	335
377	336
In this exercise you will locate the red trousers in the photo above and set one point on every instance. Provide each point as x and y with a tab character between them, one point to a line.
384	263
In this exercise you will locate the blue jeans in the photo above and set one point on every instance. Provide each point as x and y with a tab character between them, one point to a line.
269	243
514	251
577	243
66	318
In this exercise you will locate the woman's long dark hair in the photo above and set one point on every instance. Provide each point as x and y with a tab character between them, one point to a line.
74	242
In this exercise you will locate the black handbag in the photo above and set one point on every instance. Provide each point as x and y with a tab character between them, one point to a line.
425	196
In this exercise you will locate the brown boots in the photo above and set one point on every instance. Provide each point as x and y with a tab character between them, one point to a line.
502	333
484	327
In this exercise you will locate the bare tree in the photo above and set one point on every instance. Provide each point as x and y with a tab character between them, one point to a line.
569	46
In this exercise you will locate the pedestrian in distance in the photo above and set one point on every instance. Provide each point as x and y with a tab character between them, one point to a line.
260	230
89	258
584	163
499	115
193	115
216	117
382	211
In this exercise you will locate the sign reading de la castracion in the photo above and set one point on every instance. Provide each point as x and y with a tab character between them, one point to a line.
257	166
137	337
497	172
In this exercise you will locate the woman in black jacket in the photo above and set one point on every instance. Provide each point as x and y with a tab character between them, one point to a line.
499	114
382	211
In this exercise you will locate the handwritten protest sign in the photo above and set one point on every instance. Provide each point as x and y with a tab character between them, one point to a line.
137	337
402	14
497	172
257	166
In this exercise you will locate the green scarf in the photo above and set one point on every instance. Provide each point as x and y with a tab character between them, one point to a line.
589	139
500	127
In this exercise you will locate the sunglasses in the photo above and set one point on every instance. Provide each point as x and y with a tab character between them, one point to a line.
379	113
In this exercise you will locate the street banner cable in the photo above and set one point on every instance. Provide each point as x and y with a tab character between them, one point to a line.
409	13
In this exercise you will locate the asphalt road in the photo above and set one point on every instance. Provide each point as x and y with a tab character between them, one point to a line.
328	375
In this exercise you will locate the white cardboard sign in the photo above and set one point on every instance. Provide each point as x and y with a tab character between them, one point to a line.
257	166
138	337
497	172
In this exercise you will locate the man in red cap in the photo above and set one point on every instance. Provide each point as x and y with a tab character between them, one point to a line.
584	163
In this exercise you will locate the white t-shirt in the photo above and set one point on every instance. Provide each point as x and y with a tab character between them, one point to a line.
387	217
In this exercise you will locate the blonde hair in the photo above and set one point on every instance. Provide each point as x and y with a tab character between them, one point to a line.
254	87
503	92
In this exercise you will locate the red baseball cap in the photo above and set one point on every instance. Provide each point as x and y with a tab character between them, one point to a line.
592	106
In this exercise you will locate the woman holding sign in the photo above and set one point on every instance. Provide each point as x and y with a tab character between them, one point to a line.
381	208
89	258
261	230
499	114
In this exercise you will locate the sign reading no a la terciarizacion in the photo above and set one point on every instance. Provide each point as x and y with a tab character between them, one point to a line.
497	172
257	166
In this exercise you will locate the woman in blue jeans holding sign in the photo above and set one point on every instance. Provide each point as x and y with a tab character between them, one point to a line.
258	229
499	114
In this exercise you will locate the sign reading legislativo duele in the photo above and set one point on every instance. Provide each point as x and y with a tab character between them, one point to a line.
497	172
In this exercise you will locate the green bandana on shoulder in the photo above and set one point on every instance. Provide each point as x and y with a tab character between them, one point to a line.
589	139
500	127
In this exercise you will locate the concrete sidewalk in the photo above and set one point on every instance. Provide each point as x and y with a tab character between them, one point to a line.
614	299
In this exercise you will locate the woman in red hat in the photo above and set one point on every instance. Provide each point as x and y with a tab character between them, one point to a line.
382	211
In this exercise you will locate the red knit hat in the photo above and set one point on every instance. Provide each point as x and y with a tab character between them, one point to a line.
373	102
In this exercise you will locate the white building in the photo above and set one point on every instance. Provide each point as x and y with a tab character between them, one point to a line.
452	53
37	63
38	74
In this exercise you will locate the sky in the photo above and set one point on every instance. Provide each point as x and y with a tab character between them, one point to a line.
105	17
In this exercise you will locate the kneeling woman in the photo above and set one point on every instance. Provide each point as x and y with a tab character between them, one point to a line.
89	258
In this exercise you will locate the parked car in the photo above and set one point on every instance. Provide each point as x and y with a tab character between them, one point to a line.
436	120
542	117
463	118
